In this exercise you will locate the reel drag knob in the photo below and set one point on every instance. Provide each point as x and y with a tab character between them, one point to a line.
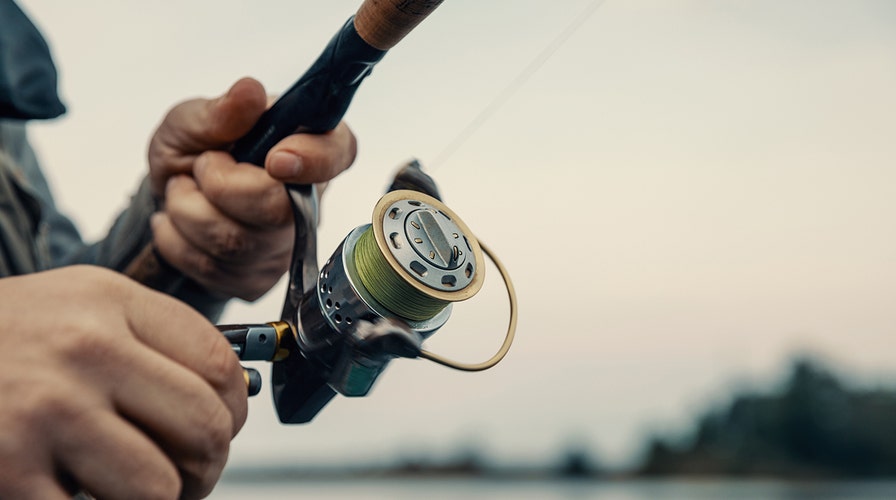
418	256
410	264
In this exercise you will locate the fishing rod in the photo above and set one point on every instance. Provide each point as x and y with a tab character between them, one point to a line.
390	284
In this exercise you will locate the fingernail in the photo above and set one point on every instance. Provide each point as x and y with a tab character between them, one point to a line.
284	165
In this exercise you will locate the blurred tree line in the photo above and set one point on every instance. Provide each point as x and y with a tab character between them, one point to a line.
814	426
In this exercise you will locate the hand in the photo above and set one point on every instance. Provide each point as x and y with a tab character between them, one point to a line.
229	225
112	388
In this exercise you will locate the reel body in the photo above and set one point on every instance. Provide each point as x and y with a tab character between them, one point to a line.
388	286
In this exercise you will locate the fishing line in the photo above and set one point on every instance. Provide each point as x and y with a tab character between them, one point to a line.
527	72
388	287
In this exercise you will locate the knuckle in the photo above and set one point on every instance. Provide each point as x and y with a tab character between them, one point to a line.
87	338
47	401
76	348
230	243
206	267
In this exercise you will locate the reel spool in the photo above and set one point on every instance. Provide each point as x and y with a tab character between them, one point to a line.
414	260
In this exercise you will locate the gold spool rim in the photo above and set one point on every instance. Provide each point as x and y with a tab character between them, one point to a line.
379	213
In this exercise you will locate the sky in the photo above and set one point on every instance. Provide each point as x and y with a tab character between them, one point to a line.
686	194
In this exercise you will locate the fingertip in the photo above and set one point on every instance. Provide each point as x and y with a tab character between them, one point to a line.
247	82
285	166
234	113
246	90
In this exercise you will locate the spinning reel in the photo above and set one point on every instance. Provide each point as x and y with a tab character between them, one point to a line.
388	286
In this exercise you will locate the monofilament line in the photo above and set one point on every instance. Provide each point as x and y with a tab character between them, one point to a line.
540	59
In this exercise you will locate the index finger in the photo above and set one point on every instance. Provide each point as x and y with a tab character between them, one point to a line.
312	158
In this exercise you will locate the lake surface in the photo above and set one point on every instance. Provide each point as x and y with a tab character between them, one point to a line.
480	489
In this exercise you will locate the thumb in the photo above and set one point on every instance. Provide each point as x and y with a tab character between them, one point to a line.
198	125
231	116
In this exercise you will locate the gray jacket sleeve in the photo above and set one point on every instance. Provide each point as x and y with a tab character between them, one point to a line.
46	238
127	236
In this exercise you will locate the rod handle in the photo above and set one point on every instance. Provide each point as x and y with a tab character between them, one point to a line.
383	23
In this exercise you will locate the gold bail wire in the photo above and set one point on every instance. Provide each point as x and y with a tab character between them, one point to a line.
396	288
511	326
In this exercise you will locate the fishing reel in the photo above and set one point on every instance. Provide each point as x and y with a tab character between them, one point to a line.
390	284
388	287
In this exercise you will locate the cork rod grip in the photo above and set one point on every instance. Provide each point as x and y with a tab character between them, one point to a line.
383	23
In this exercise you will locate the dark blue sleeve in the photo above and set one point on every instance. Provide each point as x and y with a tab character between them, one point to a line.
28	88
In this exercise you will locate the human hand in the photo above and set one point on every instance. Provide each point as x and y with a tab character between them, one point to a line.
112	388
228	225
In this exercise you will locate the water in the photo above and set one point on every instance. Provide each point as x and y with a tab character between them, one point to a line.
480	489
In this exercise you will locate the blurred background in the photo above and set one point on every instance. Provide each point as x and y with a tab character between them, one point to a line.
695	200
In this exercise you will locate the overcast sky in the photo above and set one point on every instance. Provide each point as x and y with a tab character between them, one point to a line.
686	194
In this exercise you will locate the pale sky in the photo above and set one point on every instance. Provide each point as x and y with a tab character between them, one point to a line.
686	193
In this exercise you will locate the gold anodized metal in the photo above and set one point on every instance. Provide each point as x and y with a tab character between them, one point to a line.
508	337
379	213
282	328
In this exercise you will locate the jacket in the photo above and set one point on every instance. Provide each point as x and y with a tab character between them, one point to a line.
34	235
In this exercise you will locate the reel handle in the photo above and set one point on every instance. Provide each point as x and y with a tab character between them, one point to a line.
250	343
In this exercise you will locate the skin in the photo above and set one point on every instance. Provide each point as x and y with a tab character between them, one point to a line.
115	389
229	225
111	398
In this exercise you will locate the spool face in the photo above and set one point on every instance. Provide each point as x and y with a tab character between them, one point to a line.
428	245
